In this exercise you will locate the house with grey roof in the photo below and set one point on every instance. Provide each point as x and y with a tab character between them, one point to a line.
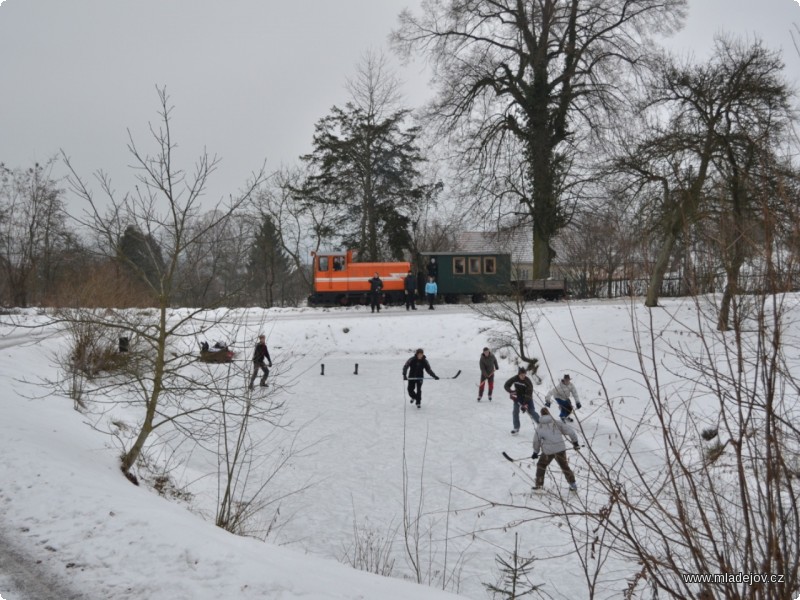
517	242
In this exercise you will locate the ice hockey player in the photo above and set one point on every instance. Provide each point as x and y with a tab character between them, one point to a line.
413	371
562	392
488	365
522	395
548	443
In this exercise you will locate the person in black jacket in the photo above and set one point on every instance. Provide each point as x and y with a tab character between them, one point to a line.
375	289
433	269
413	372
259	354
522	396
411	291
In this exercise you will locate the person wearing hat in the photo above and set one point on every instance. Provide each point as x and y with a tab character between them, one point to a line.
548	443
522	395
562	392
259	354
413	372
488	365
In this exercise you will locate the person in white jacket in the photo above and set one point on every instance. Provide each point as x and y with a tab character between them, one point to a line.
562	392
548	443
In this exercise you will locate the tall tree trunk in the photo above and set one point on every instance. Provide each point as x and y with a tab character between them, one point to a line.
544	208
660	267
681	214
132	455
732	272
723	318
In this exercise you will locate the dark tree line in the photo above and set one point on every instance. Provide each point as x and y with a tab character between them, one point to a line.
47	258
39	253
626	163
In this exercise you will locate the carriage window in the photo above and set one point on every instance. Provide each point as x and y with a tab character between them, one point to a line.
459	266
474	265
323	263
489	265
338	263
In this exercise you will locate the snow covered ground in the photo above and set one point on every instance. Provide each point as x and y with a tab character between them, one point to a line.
361	455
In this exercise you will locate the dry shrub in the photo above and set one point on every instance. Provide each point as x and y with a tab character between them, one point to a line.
104	285
370	550
95	349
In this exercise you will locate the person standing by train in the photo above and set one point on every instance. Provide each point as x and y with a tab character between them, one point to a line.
413	372
375	289
431	289
410	285
488	365
433	268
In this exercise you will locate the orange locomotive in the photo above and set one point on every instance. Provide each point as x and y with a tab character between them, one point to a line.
340	281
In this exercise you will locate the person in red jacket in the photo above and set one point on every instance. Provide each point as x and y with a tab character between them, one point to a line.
488	365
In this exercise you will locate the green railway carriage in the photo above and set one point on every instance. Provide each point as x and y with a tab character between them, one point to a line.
471	275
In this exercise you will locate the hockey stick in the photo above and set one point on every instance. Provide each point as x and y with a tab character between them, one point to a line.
508	458
429	378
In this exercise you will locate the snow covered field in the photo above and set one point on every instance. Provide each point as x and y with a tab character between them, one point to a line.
349	439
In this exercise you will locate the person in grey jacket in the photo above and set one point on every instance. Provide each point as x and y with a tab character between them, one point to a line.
562	392
488	365
548	443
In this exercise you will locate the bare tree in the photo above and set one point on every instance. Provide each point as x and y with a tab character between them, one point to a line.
598	249
723	501
695	491
545	73
300	227
723	116
33	231
165	208
239	433
421	530
514	326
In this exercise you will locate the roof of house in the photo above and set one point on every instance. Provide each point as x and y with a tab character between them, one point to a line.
518	243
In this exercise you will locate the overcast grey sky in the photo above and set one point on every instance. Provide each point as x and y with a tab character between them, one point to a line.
248	78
